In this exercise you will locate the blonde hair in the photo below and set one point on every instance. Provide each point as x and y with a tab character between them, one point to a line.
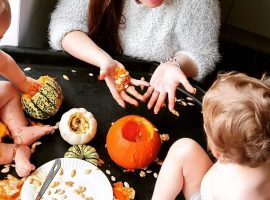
236	111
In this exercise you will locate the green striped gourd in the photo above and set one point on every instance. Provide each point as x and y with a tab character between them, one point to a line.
46	102
84	152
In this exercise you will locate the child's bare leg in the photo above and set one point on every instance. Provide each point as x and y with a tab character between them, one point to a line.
183	170
12	115
21	154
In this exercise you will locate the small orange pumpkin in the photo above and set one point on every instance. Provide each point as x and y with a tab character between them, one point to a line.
133	142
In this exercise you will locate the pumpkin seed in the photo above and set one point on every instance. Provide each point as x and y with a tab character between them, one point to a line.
55	184
183	103
155	175
191	104
69	183
108	172
126	184
56	126
164	137
155	129
61	171
88	198
113	178
73	70
87	171
91	74
148	171
73	173
49	192
65	77
5	170
142	174
160	162
27	69
34	182
189	98
175	112
142	86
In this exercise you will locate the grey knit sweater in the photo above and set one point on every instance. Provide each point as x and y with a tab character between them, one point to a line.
189	27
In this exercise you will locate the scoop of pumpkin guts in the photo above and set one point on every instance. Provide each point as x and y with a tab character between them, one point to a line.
46	102
10	188
83	152
78	126
121	192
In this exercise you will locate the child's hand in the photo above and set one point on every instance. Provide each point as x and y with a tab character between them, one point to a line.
29	86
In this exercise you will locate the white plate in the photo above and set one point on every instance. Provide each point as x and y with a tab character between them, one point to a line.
97	185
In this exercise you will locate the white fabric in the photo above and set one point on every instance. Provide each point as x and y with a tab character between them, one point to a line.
189	27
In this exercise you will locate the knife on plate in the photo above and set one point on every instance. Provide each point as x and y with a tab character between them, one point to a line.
56	166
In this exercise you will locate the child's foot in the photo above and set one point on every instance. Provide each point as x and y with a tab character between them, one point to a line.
23	166
27	135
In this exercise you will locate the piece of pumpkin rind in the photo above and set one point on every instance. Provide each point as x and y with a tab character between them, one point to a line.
31	109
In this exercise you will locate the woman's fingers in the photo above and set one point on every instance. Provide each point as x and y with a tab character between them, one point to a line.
128	98
137	82
131	90
160	101
153	99
114	92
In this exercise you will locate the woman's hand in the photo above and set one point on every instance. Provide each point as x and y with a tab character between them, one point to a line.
29	86
164	82
121	96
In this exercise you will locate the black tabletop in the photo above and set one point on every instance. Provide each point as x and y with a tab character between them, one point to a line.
84	90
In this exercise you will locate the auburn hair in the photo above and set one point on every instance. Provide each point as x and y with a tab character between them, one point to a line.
236	112
104	19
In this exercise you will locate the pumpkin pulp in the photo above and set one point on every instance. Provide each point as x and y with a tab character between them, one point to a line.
136	131
78	123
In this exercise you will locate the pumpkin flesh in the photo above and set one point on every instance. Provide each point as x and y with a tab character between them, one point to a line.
46	102
133	142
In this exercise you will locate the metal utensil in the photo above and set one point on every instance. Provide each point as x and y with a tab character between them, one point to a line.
56	166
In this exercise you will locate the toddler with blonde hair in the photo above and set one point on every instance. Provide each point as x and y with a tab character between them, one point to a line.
236	113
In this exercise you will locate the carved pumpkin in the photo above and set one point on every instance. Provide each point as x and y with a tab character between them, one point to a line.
133	142
46	102
77	126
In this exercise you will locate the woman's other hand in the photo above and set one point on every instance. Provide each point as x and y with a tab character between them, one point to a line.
163	83
107	73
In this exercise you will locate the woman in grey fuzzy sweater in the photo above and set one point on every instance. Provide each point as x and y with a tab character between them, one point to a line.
153	30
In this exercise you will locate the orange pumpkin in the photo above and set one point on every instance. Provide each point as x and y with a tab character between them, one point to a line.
133	142
3	131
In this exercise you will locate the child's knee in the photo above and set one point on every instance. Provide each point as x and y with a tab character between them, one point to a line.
8	89
184	146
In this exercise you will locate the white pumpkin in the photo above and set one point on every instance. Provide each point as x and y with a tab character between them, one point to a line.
78	126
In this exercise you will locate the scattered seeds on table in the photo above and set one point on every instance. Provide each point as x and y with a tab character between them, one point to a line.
65	77
113	178
108	172
189	98
126	184
27	69
191	104
5	170
148	171
175	112
164	137
91	74
73	70
142	174
155	175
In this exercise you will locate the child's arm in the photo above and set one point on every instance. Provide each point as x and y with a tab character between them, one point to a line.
11	71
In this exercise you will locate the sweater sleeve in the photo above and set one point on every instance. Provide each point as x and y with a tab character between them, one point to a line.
197	32
69	15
